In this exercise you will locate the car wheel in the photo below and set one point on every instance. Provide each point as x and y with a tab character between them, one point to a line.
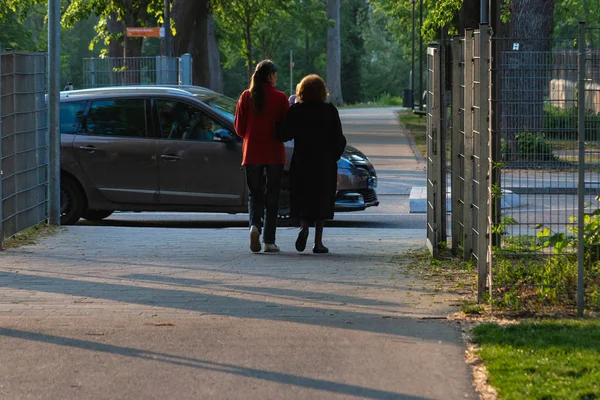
284	204
97	215
72	202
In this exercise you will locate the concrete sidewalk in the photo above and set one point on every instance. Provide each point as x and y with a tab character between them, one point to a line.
101	312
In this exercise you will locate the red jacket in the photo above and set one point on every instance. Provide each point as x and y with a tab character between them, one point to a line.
258	131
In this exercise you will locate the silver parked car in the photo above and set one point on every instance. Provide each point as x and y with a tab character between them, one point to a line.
163	148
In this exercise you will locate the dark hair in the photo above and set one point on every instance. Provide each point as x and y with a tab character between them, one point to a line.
312	88
261	74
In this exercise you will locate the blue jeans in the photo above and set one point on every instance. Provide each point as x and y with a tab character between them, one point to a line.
264	184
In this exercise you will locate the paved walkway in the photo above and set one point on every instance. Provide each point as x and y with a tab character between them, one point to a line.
113	312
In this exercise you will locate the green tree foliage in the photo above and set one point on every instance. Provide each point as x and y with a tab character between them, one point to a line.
568	14
373	62
241	19
129	13
386	66
13	34
354	17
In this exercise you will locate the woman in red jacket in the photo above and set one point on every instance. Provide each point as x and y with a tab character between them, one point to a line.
258	111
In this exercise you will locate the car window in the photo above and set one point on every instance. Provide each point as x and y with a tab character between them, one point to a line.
70	116
221	104
118	117
181	121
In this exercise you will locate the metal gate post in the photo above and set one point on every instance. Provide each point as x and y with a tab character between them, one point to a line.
484	222
456	146
442	157
159	70
581	175
468	146
433	165
93	70
185	69
1	156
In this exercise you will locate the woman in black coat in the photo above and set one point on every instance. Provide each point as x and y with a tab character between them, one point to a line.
319	142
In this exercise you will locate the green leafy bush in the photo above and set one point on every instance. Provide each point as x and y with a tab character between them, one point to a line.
549	277
533	147
387	99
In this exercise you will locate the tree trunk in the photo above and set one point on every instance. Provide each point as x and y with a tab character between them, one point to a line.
184	16
192	25
214	57
114	27
469	15
132	67
199	47
115	49
334	59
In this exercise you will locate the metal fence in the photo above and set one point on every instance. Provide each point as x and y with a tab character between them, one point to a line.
24	142
460	114
525	162
118	71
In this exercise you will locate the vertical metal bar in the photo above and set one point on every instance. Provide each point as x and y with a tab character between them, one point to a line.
159	74
485	189
54	111
484	12
455	160
433	165
420	55
495	128
468	122
1	156
412	69
93	71
441	142
186	69
581	175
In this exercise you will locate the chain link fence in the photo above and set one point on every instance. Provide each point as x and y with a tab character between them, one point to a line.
24	142
118	71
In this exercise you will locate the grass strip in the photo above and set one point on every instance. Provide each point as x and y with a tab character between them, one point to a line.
553	359
417	126
29	236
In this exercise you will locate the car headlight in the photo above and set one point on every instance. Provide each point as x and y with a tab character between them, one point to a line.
356	157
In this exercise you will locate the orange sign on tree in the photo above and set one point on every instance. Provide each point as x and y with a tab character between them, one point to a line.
144	32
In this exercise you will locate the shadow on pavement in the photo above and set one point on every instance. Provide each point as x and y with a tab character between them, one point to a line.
226	305
311	383
375	222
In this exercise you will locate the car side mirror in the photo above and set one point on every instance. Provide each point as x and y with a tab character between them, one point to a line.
223	135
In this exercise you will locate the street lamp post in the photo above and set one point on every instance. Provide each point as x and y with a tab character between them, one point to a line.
53	112
420	55
412	70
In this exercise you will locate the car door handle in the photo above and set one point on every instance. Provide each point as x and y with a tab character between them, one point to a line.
169	157
89	149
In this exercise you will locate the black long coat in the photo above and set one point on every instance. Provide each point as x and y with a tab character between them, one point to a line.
318	144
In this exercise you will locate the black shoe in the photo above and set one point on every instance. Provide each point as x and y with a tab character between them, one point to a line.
320	249
302	237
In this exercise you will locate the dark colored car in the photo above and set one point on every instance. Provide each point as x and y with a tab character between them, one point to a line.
155	148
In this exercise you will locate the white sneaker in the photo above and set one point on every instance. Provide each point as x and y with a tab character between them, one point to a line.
255	239
271	248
